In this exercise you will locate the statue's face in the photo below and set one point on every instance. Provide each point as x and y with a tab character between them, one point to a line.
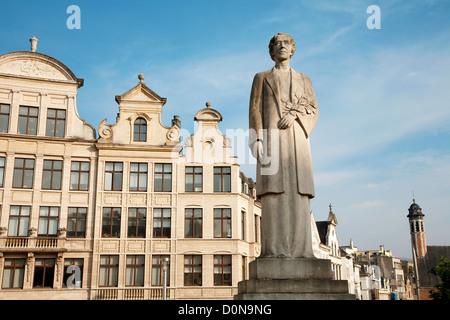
282	49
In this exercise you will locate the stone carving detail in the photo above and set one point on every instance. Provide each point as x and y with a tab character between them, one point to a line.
227	143
59	267
174	133
30	262
32	231
33	68
62	232
104	130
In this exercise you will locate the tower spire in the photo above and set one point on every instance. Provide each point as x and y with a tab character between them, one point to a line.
417	230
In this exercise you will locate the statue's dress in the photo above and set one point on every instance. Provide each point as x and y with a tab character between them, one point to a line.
286	191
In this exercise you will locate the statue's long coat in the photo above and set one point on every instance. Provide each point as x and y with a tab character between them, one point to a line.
292	144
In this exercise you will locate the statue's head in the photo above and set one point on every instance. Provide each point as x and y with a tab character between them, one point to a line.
279	38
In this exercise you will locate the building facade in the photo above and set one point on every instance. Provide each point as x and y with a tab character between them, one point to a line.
122	215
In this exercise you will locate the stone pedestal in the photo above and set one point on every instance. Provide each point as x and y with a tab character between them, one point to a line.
292	279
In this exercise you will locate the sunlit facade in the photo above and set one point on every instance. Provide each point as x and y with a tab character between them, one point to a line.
88	217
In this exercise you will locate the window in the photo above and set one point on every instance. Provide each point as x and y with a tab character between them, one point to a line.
111	222
79	175
76	272
257	228
2	170
192	270
138	177
222	270
135	271
23	173
48	221
161	223
109	267
19	221
140	130
194	179
136	222
222	223
222	179
28	120
13	272
193	223
4	117
157	270
163	177
244	268
243	224
113	176
44	270
76	222
56	123
52	173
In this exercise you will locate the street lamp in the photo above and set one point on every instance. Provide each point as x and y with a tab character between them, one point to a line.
165	265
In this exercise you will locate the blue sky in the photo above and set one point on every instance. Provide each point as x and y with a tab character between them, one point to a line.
383	94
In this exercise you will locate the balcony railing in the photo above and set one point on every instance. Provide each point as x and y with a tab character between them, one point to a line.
16	243
129	294
31	243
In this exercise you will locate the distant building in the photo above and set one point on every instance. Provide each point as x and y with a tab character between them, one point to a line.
425	257
326	246
325	242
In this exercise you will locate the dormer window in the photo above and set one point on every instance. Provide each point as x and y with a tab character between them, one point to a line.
140	130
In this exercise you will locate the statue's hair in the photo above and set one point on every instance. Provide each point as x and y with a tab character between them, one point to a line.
274	38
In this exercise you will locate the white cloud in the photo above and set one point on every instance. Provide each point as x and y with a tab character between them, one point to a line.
376	103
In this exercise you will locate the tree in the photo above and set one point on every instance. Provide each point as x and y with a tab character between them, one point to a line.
442	291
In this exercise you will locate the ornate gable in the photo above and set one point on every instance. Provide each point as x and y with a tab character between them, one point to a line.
36	65
141	94
140	102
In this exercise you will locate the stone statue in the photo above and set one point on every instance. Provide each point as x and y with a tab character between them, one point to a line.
283	112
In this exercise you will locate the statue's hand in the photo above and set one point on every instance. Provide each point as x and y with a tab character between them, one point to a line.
258	150
286	121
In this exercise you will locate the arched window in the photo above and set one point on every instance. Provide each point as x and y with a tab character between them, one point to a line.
140	130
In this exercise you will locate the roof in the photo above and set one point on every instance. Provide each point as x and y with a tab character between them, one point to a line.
427	265
415	210
141	94
208	114
322	228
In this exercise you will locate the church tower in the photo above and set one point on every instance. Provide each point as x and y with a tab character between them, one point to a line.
417	230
